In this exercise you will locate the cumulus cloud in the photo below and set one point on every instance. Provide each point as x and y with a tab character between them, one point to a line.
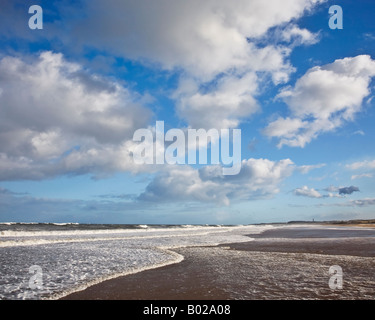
307	192
322	100
259	178
231	99
203	38
213	44
50	95
56	118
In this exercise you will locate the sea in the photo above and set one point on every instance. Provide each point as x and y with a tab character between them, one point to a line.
41	261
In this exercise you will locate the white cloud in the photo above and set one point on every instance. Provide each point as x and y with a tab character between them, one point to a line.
369	36
307	168
300	36
56	117
362	166
359	132
212	43
332	188
356	203
322	100
259	178
286	127
362	202
204	38
51	93
221	107
307	192
360	176
182	183
367	164
52	111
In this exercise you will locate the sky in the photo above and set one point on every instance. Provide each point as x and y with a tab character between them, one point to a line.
74	92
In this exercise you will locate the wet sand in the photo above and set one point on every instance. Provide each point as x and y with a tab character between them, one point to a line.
287	263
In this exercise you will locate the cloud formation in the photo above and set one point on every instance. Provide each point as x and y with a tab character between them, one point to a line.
348	190
360	176
20	207
333	192
307	168
213	45
305	191
204	39
362	202
292	33
57	118
355	203
367	164
322	100
259	178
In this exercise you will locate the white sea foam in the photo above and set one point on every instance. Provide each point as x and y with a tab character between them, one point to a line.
143	229
74	259
174	258
143	226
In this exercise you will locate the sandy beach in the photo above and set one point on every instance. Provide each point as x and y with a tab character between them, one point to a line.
286	263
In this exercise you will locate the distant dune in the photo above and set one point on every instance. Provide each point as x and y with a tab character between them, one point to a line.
358	222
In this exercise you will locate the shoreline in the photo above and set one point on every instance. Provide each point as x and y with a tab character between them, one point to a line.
210	273
61	296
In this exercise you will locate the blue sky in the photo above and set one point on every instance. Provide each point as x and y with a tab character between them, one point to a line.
73	94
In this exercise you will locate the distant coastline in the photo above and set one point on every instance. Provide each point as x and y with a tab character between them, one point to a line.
356	222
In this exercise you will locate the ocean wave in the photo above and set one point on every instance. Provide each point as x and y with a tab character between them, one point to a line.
175	258
143	226
13	235
73	260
